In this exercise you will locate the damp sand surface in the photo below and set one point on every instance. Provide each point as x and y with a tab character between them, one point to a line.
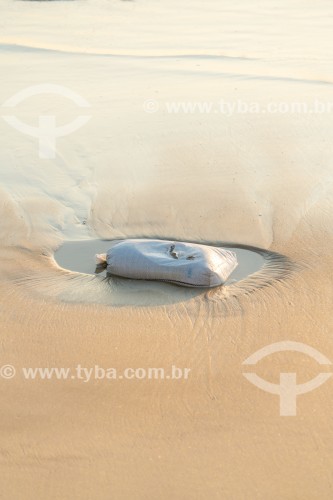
259	180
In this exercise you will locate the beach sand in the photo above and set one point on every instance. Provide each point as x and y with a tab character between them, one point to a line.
138	170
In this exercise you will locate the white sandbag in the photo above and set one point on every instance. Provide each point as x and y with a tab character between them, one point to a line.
187	264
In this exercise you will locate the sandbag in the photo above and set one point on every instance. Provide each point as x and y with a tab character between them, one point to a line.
188	264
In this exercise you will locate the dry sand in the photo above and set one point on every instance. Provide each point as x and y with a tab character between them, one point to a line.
248	179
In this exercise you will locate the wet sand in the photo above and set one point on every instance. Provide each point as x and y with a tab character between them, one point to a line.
255	181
